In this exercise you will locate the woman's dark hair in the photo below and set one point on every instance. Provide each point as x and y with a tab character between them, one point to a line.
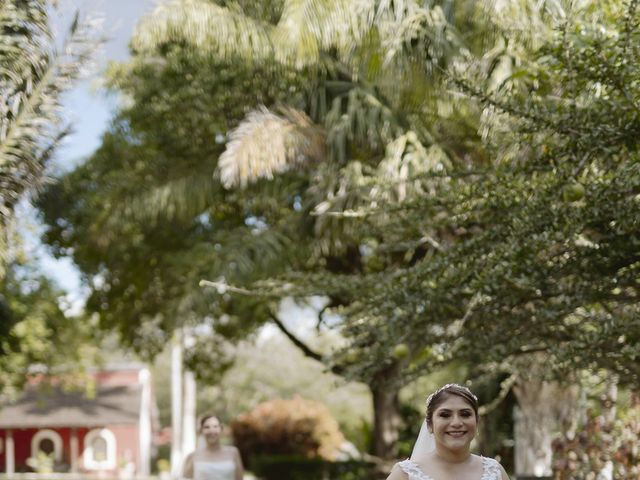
440	395
207	417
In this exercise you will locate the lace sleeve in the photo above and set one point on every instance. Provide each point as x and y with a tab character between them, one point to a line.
491	469
412	469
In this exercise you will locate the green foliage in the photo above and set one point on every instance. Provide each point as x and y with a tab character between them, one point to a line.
507	265
41	336
162	458
478	200
174	223
6	318
601	443
295	426
412	419
274	368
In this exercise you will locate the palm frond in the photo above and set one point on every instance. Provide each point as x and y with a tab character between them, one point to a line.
305	29
239	253
31	83
265	144
360	116
308	27
208	28
179	199
345	190
406	27
405	169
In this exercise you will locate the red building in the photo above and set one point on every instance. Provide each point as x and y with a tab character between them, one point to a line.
108	433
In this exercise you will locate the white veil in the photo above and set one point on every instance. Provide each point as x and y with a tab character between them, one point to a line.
426	442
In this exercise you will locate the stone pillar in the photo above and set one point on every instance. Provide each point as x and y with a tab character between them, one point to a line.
176	405
10	454
144	468
75	450
189	433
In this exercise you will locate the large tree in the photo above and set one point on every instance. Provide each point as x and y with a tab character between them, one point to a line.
549	228
502	247
149	264
384	199
533	237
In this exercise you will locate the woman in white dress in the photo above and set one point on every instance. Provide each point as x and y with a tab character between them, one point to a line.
442	451
213	461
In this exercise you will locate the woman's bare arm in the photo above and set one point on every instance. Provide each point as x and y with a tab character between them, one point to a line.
238	461
187	471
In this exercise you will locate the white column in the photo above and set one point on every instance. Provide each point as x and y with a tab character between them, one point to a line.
75	450
189	434
144	432
176	405
10	454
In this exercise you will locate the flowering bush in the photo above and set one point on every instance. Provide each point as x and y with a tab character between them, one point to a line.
288	427
42	462
602	449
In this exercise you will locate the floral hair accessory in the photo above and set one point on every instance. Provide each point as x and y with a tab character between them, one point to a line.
447	387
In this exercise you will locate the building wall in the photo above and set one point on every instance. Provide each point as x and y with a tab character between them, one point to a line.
65	433
127	446
22	447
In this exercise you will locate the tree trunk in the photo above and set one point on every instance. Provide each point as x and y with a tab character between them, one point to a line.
542	408
609	400
384	391
386	414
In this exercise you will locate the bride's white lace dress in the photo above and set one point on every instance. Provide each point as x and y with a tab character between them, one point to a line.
219	470
490	470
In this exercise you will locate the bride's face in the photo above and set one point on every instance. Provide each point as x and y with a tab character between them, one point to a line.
211	430
454	423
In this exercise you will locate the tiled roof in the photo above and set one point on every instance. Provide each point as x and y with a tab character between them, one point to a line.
116	404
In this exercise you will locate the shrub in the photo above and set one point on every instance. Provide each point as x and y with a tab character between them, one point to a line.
297	426
42	462
277	467
601	445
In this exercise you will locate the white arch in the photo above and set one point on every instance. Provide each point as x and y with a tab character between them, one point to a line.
47	434
88	456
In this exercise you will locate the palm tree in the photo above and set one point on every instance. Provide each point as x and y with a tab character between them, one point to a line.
33	76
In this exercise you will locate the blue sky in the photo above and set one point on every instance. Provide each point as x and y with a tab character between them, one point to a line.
88	109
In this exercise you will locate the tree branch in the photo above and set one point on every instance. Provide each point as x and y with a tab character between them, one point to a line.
294	339
304	348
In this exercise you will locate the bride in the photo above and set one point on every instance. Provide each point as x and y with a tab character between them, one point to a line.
442	450
214	461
